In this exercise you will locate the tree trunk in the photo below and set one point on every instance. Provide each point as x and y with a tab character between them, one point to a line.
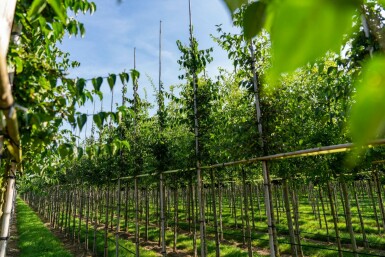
324	213
296	221
246	203
379	194
361	219
289	219
175	218
349	218
162	219
333	212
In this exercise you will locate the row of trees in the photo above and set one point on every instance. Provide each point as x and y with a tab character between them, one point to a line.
301	109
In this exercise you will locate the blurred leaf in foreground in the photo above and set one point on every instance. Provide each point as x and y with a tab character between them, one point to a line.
367	118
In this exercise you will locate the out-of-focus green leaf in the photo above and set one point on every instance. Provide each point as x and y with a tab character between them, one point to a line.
303	31
134	75
368	113
233	5
59	9
111	80
124	77
97	83
80	152
36	8
82	119
100	94
80	84
254	19
98	121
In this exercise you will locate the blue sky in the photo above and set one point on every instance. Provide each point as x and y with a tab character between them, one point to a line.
115	29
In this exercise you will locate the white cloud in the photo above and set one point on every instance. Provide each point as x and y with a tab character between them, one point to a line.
115	29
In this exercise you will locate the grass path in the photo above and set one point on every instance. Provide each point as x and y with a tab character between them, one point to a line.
35	240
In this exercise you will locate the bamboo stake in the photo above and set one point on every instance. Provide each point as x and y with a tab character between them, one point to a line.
197	154
273	241
162	219
217	249
136	217
349	218
333	212
245	200
7	209
289	219
118	221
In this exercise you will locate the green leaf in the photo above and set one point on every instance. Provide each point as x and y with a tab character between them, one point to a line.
233	5
134	75
36	8
254	19
368	113
82	119
89	151
80	152
80	84
98	121
59	9
97	83
100	94
113	116
124	77
111	80
303	31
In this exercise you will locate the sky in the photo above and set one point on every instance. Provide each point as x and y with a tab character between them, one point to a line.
115	29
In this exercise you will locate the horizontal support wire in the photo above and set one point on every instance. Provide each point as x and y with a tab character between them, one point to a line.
295	154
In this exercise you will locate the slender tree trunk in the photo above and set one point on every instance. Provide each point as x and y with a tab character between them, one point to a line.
136	217
175	217
361	219
195	249
296	221
252	206
117	231
349	218
374	206
147	214
220	211
380	201
289	219
217	244
106	222
333	212
273	240
324	213
162	219
246	202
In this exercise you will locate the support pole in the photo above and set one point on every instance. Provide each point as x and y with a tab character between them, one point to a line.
162	220
197	154
273	242
7	210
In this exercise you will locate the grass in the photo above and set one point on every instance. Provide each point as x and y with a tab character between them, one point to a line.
314	237
35	240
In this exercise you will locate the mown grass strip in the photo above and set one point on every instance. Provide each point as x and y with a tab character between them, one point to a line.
35	240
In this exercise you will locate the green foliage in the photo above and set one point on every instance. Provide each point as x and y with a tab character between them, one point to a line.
304	31
124	77
34	238
97	83
367	119
254	19
81	120
111	81
235	4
